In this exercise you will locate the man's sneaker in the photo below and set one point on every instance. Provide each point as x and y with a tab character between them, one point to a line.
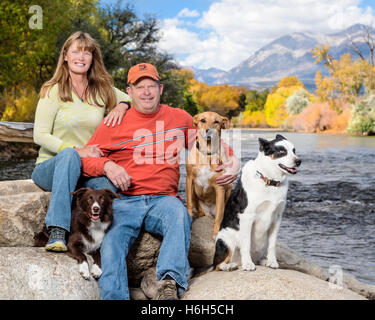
56	241
167	290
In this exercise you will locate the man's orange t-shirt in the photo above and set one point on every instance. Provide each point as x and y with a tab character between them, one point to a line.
147	146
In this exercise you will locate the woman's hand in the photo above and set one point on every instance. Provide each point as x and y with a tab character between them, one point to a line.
116	114
92	151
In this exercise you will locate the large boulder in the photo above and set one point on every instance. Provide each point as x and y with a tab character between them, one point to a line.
202	249
23	207
33	273
142	256
264	284
202	246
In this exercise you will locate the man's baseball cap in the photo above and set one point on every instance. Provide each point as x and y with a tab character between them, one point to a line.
142	70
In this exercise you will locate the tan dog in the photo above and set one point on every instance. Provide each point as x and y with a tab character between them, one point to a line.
205	156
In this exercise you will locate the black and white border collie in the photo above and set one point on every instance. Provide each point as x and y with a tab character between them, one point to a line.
92	217
254	210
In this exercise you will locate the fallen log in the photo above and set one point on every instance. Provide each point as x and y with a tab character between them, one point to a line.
16	131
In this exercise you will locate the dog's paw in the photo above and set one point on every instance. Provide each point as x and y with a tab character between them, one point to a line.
84	270
248	266
271	263
96	271
228	266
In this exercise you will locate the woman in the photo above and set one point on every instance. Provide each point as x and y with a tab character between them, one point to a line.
72	104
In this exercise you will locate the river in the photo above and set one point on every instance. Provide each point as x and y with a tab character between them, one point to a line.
330	213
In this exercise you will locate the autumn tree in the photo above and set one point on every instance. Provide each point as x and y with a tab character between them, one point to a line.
275	108
255	100
363	116
217	98
347	77
28	57
297	102
368	37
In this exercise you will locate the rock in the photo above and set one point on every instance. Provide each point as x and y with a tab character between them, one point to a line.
34	274
264	283
366	290
202	246
137	294
202	250
149	283
142	256
17	150
290	259
23	207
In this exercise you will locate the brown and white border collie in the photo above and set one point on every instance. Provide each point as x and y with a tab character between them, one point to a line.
91	218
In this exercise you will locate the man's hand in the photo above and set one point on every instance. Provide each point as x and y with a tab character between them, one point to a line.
90	151
231	170
118	175
116	114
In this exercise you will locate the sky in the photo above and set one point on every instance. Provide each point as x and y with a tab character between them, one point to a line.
223	33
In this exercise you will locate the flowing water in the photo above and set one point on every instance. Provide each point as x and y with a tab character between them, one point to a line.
330	213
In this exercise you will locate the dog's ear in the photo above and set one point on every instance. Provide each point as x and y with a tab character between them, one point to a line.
225	124
111	194
263	144
78	193
280	137
195	120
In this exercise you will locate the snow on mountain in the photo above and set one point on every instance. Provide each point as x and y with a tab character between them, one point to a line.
289	55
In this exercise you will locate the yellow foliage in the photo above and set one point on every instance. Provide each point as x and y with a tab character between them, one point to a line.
275	111
346	76
290	82
256	119
217	98
22	108
324	87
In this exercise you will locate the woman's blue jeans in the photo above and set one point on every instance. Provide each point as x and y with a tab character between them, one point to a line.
60	175
163	215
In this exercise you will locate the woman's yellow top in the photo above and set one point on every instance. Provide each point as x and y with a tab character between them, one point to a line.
59	125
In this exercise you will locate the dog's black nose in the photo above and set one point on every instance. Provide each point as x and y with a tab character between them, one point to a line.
96	209
298	162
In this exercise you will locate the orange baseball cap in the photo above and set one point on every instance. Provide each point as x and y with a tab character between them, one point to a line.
142	70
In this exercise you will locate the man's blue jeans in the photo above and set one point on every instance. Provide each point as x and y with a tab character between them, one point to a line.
164	215
60	175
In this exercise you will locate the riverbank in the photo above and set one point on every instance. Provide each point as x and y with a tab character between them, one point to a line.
17	150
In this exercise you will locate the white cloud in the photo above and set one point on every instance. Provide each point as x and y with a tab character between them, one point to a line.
188	13
231	30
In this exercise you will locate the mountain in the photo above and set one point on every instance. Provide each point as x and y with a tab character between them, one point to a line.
289	55
209	76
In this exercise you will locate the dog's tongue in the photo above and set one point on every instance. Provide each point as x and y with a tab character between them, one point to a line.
95	217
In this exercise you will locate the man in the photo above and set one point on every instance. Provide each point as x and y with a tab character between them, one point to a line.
141	159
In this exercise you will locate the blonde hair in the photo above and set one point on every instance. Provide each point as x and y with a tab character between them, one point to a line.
100	83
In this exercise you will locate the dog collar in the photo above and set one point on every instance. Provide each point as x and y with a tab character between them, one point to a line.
269	182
